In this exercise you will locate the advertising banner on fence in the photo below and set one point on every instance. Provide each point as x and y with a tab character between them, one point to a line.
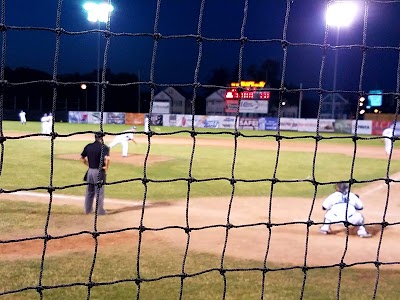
115	118
247	106
343	126
169	120
186	120
310	125
134	119
254	106
77	117
268	123
160	107
327	125
231	106
228	122
363	127
289	124
156	120
248	123
379	126
95	117
183	120
211	121
307	125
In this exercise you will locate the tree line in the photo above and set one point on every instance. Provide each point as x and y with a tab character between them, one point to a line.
125	94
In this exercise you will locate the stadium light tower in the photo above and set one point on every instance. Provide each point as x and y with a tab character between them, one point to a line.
98	12
340	13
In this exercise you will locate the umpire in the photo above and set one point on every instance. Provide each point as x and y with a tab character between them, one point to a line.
96	156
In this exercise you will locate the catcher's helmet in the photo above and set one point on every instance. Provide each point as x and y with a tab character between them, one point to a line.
342	187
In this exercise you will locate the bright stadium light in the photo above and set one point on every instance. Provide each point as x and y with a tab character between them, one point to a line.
100	13
339	13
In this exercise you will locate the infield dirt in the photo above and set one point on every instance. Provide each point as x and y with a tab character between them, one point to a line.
288	244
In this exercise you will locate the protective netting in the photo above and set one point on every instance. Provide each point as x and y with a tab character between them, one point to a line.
243	40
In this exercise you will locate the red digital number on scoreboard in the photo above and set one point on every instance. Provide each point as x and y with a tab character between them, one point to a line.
252	95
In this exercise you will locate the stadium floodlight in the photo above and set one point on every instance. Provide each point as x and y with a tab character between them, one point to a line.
100	13
340	13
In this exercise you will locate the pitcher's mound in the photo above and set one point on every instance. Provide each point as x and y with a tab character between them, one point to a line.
135	159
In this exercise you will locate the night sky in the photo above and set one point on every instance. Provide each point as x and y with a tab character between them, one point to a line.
176	58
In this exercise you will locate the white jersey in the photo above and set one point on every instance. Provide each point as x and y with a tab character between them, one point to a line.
126	136
22	115
388	132
337	203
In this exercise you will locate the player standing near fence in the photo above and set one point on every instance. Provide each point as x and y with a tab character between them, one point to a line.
123	139
387	134
93	157
22	117
343	205
146	123
44	121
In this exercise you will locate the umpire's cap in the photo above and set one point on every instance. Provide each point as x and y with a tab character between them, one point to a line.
342	187
98	135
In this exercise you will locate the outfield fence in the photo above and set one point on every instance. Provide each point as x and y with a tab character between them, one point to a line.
366	127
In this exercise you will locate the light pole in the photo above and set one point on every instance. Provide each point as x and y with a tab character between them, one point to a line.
84	87
100	13
340	13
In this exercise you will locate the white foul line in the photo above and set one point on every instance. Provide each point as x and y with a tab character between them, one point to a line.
77	198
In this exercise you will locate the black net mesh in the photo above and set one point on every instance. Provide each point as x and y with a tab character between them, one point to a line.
242	40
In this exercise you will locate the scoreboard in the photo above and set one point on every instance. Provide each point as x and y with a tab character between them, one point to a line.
251	90
247	94
251	98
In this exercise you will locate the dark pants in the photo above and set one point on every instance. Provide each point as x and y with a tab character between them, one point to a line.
92	190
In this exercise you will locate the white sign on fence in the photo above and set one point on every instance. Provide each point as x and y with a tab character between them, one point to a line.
254	106
289	124
363	127
160	107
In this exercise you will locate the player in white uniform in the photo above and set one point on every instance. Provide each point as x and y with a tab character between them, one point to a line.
123	139
22	117
388	133
337	204
146	123
44	120
47	122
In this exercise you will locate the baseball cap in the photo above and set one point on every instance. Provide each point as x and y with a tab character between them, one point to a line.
98	135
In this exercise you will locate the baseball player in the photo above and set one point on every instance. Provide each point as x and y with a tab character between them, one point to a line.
123	139
146	123
22	117
387	134
45	121
340	202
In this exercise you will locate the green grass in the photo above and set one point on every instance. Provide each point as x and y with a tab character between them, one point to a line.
290	136
159	260
21	215
27	164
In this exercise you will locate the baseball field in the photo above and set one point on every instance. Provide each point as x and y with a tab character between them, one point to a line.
250	260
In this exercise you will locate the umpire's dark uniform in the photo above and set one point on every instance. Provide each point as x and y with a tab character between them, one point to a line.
92	156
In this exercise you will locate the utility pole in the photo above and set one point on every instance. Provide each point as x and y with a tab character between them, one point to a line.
300	99
139	98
